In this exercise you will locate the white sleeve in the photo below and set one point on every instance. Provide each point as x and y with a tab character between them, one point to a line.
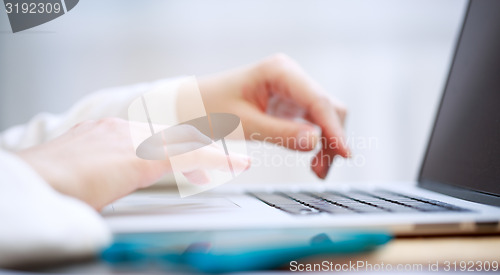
112	102
40	224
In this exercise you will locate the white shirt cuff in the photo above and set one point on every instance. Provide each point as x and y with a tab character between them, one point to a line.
38	223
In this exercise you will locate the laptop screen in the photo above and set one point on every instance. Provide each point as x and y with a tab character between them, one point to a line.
464	148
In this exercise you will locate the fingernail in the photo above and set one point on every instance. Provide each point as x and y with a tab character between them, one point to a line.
307	139
244	160
320	172
249	160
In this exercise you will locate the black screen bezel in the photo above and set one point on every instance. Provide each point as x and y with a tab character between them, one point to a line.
448	189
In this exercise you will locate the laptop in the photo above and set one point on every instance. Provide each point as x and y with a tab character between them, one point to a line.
457	191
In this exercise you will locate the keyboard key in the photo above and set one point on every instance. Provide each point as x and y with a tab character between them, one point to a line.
284	203
349	203
411	202
387	205
319	204
352	202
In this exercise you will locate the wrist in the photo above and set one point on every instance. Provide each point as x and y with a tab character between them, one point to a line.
52	173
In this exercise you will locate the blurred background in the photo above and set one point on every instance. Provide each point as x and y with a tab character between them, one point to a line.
387	60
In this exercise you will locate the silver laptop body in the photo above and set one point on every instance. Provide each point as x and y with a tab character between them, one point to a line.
457	191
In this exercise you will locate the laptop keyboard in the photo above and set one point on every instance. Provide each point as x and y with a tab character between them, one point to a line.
352	202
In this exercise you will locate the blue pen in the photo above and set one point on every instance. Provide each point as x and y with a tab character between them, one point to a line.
224	251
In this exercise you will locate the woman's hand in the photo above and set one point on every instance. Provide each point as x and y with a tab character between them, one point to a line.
95	161
269	97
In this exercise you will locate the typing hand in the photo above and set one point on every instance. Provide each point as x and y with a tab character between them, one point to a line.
95	161
269	97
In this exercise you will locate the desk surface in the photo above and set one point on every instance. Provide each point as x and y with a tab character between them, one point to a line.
400	251
423	250
448	252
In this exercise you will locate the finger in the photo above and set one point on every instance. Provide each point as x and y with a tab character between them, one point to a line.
175	149
333	139
285	77
284	132
322	161
210	157
183	133
340	109
199	177
288	79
